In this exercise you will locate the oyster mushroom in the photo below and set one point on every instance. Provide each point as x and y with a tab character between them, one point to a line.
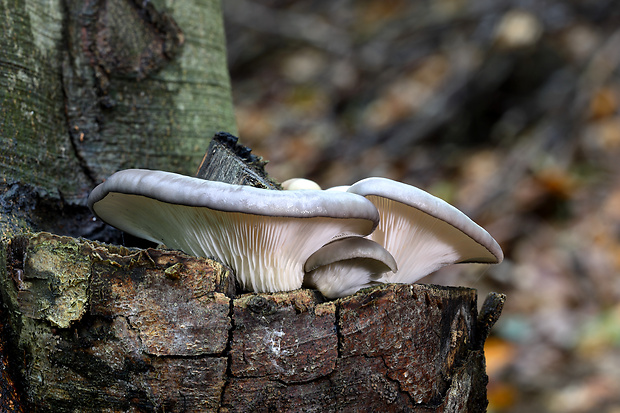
423	232
347	265
295	184
265	236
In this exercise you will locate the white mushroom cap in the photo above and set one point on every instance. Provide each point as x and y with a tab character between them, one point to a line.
296	184
347	265
266	236
339	188
423	232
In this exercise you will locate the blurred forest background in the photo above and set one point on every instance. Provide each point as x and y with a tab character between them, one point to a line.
507	109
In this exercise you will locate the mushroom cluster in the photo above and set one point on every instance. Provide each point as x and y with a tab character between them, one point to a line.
337	241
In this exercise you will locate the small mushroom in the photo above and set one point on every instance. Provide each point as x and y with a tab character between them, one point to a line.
423	232
339	188
266	236
347	265
296	184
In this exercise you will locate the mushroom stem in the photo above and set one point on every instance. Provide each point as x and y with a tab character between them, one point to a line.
347	265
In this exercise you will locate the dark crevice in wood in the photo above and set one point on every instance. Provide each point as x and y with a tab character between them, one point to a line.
338	332
11	390
227	350
40	211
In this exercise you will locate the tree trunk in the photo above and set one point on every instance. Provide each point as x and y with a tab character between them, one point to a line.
91	87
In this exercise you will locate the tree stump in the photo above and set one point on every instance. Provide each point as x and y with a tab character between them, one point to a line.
105	328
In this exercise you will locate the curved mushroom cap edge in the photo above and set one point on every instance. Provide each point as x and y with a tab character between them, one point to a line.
431	205
185	190
350	248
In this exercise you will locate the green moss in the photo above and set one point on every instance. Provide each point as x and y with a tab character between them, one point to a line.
59	271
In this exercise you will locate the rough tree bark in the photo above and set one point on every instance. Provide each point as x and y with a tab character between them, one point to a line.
87	88
91	87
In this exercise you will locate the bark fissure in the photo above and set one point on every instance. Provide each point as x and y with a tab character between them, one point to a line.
396	382
226	352
72	130
338	332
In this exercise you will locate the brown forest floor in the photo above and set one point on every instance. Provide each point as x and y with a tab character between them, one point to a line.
507	109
